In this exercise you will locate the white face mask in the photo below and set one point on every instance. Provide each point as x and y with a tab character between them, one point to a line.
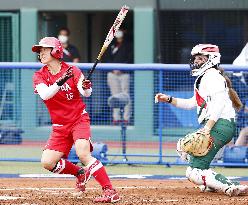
119	34
63	39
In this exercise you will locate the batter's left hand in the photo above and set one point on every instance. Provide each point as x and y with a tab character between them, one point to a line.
86	84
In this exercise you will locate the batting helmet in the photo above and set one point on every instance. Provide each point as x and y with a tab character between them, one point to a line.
209	50
50	42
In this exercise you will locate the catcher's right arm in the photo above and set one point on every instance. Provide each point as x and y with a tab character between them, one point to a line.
197	143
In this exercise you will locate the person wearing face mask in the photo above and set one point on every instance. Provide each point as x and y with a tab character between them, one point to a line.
120	51
71	53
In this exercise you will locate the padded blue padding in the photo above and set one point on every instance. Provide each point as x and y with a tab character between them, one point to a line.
236	154
180	117
99	152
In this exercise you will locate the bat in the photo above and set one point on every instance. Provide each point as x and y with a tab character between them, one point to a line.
111	34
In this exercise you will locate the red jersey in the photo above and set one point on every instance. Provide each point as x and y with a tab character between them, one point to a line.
66	106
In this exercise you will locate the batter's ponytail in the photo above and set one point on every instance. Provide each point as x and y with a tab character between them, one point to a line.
236	102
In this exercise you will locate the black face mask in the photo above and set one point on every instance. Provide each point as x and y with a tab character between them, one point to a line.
194	66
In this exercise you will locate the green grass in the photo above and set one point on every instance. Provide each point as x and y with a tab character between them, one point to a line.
36	151
20	152
35	168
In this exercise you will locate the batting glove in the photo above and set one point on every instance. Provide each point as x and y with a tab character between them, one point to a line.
86	84
68	74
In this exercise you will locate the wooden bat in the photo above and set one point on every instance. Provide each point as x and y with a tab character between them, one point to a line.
111	34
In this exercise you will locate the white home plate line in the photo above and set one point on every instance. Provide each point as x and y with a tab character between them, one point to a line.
127	176
4	198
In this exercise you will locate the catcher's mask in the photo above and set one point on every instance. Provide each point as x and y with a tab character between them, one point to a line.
209	50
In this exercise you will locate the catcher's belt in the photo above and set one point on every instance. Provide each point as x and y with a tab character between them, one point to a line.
197	143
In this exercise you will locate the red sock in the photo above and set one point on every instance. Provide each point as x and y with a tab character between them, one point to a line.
64	166
99	173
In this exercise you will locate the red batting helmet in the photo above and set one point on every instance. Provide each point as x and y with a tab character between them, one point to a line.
50	42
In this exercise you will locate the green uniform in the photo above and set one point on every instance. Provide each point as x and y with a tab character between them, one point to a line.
222	133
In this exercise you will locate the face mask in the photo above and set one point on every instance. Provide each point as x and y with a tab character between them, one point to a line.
63	39
119	34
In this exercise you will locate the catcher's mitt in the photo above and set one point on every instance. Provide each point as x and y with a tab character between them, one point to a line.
197	143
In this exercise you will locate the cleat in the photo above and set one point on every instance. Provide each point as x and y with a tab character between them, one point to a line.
109	196
243	189
236	190
82	180
232	190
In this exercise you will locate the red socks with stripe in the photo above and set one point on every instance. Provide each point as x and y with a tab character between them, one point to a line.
95	168
64	166
99	173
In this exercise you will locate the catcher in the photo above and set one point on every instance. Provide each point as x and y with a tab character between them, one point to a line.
216	102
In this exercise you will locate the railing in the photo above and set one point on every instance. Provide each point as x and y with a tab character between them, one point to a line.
152	129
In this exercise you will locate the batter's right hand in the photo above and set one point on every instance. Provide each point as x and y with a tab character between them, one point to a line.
86	84
68	74
160	97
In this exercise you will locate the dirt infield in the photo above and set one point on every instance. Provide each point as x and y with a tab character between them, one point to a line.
61	192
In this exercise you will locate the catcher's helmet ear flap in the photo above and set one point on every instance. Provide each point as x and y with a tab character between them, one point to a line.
50	42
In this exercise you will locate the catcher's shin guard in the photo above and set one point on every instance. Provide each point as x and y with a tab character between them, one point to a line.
211	179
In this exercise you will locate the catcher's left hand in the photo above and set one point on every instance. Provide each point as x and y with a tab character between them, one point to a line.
197	143
86	84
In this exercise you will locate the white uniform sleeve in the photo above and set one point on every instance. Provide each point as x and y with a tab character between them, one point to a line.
217	105
85	93
187	104
47	92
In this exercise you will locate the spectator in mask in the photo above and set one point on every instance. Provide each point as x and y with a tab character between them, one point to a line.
71	53
120	51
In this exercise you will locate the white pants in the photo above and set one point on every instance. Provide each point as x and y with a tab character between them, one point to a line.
119	83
